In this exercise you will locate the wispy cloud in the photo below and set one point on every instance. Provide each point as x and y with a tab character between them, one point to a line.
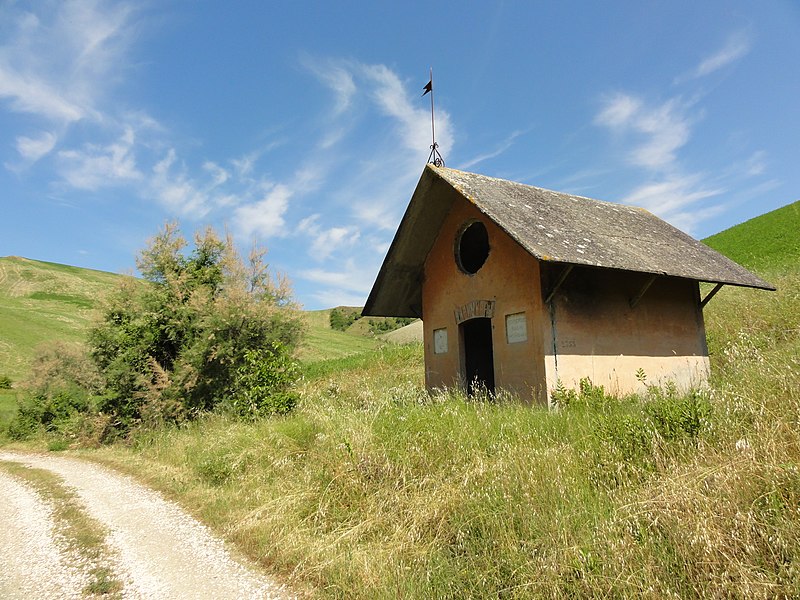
347	285
95	166
32	149
737	45
56	65
654	134
327	240
265	217
500	149
661	130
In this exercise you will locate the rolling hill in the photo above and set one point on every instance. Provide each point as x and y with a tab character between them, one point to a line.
764	243
41	301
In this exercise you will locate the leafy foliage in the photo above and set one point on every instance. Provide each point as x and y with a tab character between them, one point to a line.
5	382
202	328
378	326
342	317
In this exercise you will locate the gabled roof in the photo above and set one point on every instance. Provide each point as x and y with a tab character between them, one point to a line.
551	226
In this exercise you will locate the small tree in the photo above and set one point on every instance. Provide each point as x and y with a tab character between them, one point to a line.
182	341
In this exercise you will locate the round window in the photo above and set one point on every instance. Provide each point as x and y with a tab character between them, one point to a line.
472	247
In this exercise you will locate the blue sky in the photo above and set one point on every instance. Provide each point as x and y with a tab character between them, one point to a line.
301	125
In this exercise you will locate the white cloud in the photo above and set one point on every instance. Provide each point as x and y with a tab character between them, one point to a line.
326	241
351	279
413	120
59	63
665	128
619	110
218	175
737	46
670	194
502	147
338	79
672	199
33	149
264	217
96	166
757	163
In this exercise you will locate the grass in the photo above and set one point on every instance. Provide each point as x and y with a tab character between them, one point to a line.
323	343
375	489
764	243
84	537
43	301
8	406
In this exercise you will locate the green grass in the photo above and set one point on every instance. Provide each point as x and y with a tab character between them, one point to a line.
323	343
765	243
8	407
373	488
42	301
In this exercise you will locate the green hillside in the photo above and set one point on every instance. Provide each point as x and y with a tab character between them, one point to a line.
768	242
41	301
321	342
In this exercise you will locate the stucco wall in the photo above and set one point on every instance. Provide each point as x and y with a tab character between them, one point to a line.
598	335
509	278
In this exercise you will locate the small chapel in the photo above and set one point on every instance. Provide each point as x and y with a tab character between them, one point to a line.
524	289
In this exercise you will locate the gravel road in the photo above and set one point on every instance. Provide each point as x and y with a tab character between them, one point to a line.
159	550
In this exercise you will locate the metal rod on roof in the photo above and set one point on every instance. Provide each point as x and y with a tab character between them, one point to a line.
434	157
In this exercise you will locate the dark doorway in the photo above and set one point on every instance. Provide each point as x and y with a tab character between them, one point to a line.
478	355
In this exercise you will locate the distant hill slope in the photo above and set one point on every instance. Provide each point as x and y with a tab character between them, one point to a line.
770	241
41	301
322	342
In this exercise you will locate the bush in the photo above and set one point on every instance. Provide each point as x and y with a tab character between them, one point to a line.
385	325
198	330
263	383
5	382
341	317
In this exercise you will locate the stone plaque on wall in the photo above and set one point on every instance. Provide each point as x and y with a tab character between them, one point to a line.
516	328
440	341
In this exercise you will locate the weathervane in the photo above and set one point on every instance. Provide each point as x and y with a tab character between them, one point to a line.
434	157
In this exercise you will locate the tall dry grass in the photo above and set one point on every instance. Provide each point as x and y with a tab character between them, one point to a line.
375	489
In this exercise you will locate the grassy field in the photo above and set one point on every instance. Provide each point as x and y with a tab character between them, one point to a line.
42	301
766	242
373	488
322	343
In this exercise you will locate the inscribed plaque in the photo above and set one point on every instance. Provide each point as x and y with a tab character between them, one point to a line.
516	328
440	341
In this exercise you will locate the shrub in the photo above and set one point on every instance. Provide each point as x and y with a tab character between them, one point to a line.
263	383
198	330
5	382
378	326
341	317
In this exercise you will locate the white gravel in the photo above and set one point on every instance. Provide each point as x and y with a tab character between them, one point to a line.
33	561
162	551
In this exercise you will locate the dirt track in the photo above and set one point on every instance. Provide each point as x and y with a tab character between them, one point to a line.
158	550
